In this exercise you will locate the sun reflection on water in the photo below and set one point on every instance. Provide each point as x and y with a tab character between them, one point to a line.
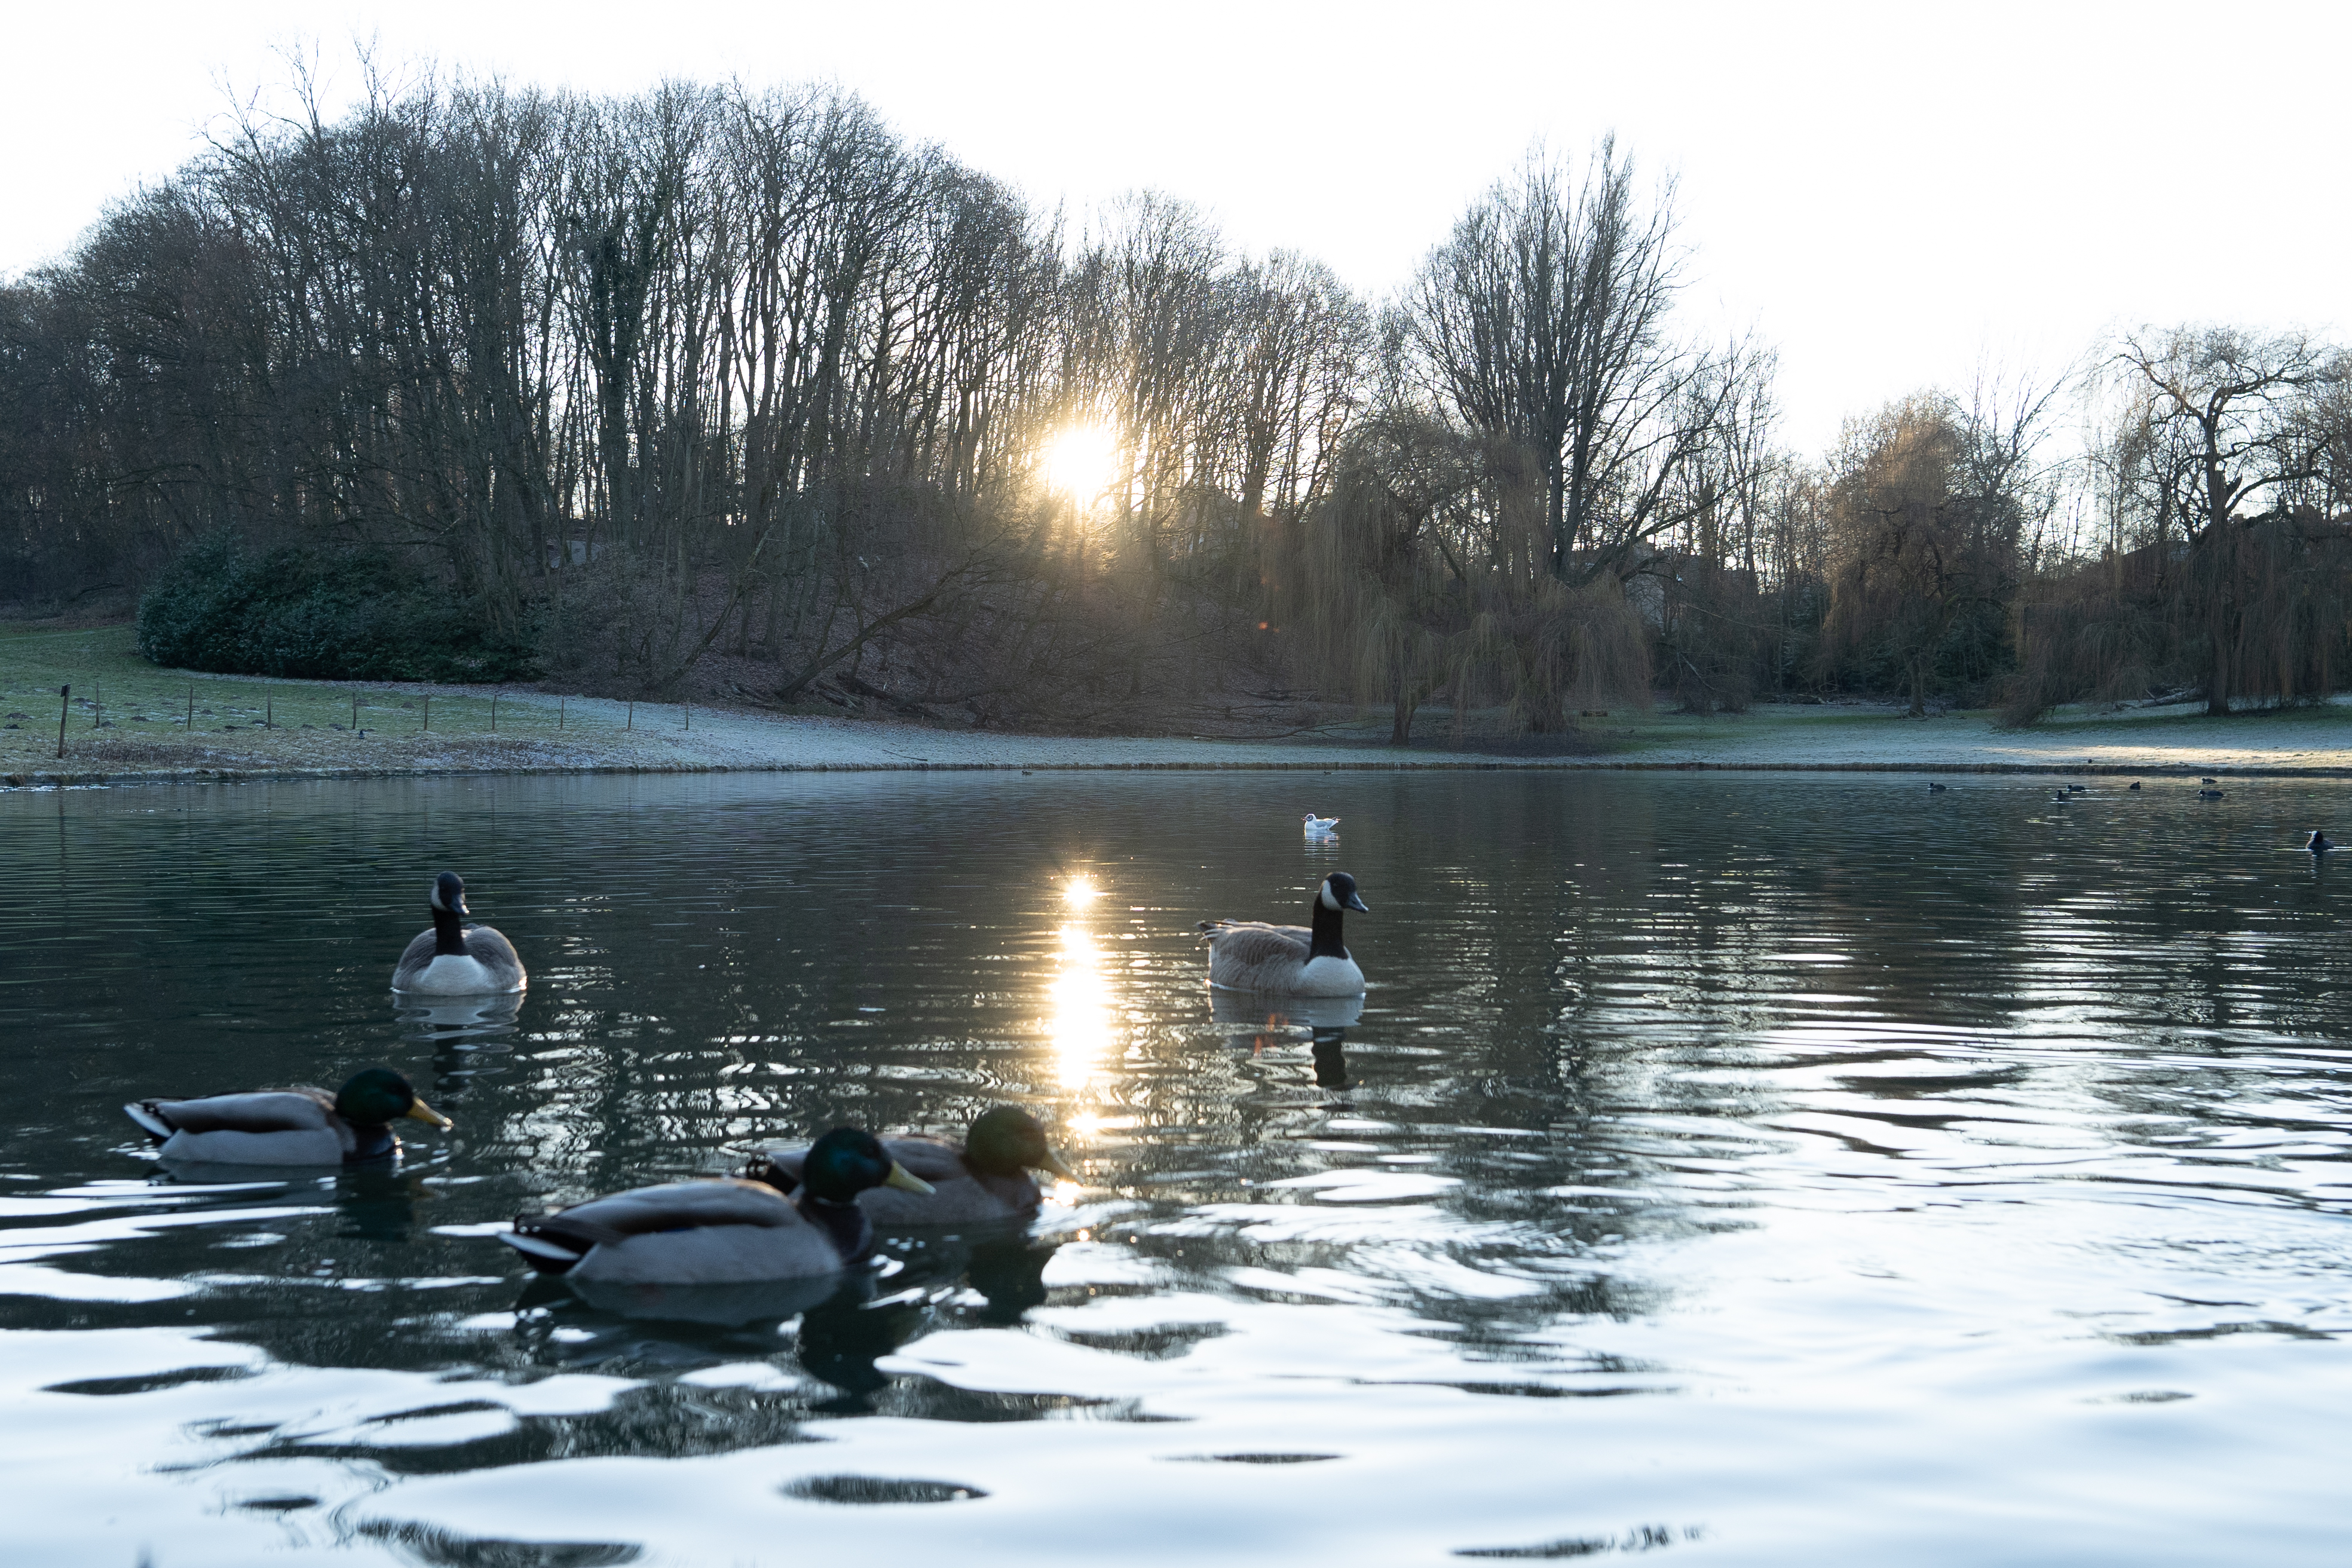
1079	1021
1079	998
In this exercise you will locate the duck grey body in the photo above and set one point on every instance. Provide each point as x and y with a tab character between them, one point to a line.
984	1179
718	1232
454	959
1290	961
693	1233
300	1126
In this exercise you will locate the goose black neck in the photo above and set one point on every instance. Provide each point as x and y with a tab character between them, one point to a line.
844	1225
1325	932
448	934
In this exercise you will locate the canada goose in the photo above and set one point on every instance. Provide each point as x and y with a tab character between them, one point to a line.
454	959
300	1126
2320	842
985	1178
1293	961
723	1231
1320	824
1936	788
2208	795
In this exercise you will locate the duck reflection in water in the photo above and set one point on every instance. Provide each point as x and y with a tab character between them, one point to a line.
841	1340
1274	1021
847	1324
379	1203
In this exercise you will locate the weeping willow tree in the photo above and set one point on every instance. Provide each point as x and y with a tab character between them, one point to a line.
1426	570
2227	563
1930	511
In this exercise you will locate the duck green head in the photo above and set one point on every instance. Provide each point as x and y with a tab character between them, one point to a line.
846	1163
1007	1141
377	1096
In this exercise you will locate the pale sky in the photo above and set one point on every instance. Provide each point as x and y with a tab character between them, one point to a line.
1891	195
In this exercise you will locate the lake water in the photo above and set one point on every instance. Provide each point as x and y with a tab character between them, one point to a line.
1753	1169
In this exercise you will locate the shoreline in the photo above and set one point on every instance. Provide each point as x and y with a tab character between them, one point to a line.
139	724
2169	770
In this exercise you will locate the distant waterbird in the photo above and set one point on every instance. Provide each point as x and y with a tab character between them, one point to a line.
1290	961
2208	795
1320	824
299	1126
1936	788
454	959
2134	784
2320	843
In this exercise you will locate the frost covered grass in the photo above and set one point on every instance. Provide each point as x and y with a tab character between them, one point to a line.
128	719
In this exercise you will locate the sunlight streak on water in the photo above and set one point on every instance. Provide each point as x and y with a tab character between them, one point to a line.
1079	999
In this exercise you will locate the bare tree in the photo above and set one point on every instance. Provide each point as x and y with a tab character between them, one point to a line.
1544	320
2220	421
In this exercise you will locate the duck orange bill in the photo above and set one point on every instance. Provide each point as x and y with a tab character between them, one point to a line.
906	1180
426	1114
1060	1167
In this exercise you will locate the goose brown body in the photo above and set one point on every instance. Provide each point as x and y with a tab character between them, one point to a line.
451	958
1290	961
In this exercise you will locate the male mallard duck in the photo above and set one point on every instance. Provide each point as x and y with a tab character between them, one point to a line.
1290	961
454	959
286	1126
720	1232
986	1179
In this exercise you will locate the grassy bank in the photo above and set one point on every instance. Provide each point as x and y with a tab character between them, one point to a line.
126	720
124	715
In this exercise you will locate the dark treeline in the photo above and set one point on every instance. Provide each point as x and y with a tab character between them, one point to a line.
742	390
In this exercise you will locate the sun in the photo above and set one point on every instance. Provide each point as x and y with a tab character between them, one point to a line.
1081	461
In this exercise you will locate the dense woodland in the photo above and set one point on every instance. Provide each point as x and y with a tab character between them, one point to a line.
742	391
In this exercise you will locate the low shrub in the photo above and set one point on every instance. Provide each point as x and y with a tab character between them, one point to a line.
358	616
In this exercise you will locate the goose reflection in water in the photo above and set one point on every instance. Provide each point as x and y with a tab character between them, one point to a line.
444	1018
1276	1020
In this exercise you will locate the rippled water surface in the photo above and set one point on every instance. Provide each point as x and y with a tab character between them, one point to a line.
1756	1169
